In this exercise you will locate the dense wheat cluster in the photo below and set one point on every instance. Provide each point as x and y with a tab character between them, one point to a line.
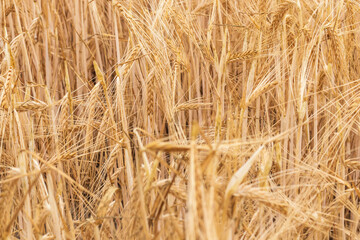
191	119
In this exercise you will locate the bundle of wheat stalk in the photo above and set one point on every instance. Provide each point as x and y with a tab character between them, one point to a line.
192	119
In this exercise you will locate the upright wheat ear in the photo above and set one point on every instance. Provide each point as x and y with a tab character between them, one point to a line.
150	96
5	92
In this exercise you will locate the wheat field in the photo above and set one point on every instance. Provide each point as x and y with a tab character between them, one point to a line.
179	119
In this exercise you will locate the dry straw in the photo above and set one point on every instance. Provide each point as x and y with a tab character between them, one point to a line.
184	119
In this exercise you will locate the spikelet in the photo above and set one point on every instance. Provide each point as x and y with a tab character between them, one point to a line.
5	93
263	197
30	106
41	214
167	147
206	52
280	13
9	54
9	9
242	55
182	22
190	106
278	158
339	52
260	90
124	70
104	203
186	28
179	60
150	95
100	76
